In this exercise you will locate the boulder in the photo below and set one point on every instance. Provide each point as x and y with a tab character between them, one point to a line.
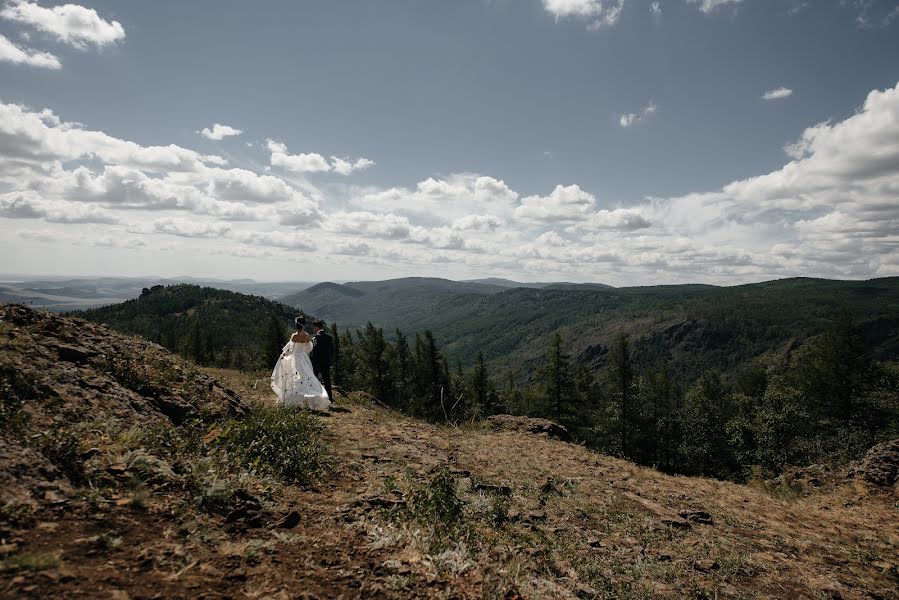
529	425
880	466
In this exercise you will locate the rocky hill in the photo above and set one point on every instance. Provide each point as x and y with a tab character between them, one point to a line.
129	473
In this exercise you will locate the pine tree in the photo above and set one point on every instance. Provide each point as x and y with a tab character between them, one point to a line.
703	418
428	377
192	344
375	366
337	364
479	386
622	379
401	365
273	338
557	381
349	361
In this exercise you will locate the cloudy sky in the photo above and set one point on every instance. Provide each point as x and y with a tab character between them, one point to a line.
617	141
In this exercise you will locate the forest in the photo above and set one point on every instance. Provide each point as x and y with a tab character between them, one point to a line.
825	397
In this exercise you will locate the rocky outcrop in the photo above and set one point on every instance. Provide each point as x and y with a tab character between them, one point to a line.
880	466
61	376
529	425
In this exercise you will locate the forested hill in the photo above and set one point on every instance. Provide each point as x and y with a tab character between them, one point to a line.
392	303
208	325
693	327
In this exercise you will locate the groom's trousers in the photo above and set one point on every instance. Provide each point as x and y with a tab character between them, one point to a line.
325	377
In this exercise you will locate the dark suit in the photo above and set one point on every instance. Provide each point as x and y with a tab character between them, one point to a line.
321	356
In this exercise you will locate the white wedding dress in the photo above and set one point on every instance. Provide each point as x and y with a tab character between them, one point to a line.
294	381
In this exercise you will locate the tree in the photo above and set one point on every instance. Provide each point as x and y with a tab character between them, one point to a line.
558	386
401	367
703	447
336	365
479	385
428	377
622	378
192	344
273	338
375	367
349	361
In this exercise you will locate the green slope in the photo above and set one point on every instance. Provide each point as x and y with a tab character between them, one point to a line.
226	321
389	304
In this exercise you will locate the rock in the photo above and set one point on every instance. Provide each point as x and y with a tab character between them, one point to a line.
500	490
582	590
535	516
706	565
529	425
288	521
74	354
880	466
247	510
665	516
697	516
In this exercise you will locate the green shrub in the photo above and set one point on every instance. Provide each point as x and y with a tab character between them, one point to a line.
437	501
284	442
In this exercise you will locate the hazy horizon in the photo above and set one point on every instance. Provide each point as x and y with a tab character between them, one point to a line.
624	142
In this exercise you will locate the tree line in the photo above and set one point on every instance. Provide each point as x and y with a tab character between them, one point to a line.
826	400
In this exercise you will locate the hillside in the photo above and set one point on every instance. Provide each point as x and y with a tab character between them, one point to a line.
62	294
695	327
220	326
123	478
390	304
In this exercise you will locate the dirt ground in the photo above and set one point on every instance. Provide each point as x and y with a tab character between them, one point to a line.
541	519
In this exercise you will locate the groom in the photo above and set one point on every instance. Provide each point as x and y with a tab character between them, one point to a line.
322	352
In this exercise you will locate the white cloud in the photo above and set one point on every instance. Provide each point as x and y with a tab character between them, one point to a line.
598	13
621	219
219	132
11	53
345	167
562	9
655	9
30	205
69	23
33	137
477	223
451	197
708	6
312	162
777	94
628	119
830	211
564	203
191	229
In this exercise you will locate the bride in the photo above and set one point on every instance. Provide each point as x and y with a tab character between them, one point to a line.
293	378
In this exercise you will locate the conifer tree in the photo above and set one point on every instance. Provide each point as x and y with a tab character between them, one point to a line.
479	386
336	365
622	378
273	338
557	380
375	366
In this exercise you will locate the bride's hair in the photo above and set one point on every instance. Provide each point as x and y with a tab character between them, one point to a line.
300	322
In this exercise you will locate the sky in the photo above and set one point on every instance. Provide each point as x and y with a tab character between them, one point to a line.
627	142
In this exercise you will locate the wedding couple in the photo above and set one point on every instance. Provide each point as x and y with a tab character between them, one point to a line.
294	378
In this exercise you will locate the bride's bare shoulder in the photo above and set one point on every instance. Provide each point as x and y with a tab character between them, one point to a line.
300	337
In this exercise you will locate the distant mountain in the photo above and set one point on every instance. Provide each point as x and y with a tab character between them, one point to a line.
508	283
223	323
692	327
389	304
60	294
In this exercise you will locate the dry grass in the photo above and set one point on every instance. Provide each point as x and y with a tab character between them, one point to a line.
596	540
